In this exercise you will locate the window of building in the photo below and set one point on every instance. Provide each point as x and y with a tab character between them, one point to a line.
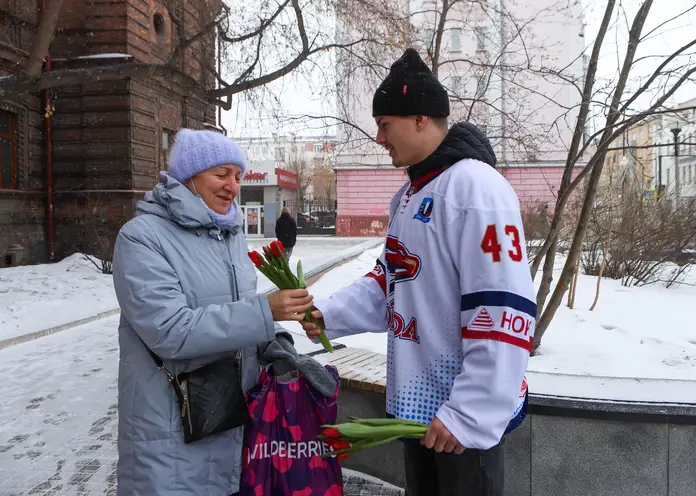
456	40
318	148
428	38
480	86
8	169
167	142
279	153
159	26
456	84
480	38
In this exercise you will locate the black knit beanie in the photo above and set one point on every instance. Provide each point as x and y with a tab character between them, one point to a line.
410	89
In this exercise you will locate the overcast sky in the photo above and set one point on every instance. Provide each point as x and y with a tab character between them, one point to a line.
295	97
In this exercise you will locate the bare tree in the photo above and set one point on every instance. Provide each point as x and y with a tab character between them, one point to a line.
488	57
324	182
257	46
304	171
619	113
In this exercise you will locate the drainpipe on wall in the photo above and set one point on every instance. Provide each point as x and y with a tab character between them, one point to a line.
219	61
48	139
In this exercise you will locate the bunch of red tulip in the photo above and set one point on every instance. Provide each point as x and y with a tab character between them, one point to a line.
357	434
275	267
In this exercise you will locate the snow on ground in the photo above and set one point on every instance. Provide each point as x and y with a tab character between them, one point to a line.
59	415
635	339
315	252
643	334
330	283
38	297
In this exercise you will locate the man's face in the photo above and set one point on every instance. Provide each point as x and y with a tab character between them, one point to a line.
400	137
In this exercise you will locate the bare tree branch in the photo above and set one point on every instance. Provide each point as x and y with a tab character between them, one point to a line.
44	37
548	251
591	189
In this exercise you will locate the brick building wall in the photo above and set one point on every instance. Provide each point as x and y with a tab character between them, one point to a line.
22	208
363	199
364	194
536	184
110	139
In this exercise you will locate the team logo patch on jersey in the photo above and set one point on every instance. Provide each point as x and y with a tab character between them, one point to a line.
404	265
425	210
482	322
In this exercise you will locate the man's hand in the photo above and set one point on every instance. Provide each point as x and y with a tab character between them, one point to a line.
289	304
311	328
441	439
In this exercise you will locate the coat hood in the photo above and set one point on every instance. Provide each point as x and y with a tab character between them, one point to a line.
173	201
464	140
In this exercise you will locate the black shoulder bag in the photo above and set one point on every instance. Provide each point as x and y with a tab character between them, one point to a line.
211	397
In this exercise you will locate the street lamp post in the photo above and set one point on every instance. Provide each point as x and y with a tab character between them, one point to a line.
677	176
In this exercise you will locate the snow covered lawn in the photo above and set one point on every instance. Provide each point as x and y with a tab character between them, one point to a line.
645	335
635	340
38	297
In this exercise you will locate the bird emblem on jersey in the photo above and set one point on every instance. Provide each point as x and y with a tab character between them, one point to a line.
404	265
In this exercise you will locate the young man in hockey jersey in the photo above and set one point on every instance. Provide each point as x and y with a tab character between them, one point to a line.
452	287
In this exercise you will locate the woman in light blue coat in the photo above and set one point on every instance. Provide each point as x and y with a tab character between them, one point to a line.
187	290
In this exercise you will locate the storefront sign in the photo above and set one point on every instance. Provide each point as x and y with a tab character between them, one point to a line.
260	173
287	179
256	176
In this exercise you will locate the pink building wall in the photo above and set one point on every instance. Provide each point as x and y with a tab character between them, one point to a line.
535	184
364	194
363	199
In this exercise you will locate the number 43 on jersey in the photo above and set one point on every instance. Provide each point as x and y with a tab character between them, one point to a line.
490	243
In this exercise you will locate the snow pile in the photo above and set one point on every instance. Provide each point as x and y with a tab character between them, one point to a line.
634	341
38	297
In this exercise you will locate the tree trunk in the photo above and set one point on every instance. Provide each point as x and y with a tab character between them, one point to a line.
548	251
43	39
591	192
435	54
599	278
573	291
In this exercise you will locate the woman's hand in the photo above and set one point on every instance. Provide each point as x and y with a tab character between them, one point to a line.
290	304
311	328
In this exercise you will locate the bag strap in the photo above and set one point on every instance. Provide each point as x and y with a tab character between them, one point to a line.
158	361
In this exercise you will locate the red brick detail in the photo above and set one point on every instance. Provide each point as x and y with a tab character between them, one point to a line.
366	226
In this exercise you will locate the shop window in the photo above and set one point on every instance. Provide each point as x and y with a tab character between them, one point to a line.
8	168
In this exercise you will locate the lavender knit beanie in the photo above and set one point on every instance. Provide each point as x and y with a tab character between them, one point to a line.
196	151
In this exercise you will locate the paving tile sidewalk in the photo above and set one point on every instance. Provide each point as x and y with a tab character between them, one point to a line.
58	416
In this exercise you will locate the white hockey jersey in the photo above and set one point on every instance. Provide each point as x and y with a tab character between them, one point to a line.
454	290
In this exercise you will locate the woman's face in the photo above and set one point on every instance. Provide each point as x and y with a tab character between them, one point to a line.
218	186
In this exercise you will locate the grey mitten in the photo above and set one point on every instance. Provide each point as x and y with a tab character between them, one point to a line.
283	357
